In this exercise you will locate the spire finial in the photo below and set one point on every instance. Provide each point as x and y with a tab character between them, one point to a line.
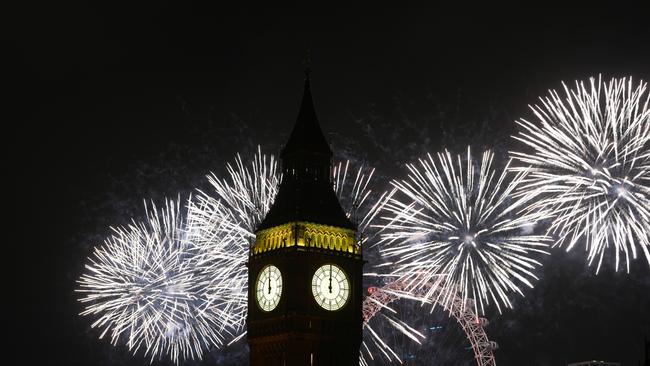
307	63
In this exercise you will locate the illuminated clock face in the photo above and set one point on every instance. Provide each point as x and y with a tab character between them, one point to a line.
331	287
269	287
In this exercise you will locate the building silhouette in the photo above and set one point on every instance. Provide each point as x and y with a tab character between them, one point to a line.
305	267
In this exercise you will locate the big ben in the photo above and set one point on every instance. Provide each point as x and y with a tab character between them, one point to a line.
305	266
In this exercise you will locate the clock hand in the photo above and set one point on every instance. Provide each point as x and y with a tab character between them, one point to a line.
269	285
330	286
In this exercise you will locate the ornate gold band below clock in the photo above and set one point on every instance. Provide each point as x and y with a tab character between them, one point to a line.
306	234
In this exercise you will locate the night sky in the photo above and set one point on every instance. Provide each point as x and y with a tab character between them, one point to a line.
120	104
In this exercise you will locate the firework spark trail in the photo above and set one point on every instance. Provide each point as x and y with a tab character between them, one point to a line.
589	155
448	218
223	225
355	196
250	190
219	239
144	289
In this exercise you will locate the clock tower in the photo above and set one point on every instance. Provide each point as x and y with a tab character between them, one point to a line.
305	267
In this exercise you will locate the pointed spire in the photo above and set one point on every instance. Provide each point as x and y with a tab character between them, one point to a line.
306	193
306	136
307	65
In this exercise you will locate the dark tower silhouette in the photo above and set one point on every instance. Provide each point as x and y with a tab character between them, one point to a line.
305	267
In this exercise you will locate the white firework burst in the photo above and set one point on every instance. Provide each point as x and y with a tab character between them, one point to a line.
223	226
589	155
249	190
456	223
144	289
354	191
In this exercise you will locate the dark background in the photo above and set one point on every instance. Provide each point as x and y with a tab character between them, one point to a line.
116	104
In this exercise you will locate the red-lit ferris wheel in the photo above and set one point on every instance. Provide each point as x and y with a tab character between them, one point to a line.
461	310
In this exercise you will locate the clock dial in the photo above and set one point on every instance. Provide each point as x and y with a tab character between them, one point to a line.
330	287
268	287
